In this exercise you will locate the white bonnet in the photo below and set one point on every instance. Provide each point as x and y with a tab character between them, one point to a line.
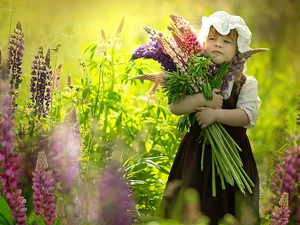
223	22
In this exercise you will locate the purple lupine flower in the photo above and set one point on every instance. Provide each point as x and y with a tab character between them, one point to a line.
43	187
40	86
286	179
65	153
18	207
237	65
154	51
280	215
15	55
116	200
9	159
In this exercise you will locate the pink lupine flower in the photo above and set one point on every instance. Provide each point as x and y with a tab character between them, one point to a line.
65	153
9	159
116	200
18	208
286	179
187	37
43	187
280	215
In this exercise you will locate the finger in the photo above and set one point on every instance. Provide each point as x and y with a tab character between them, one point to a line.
215	90
200	108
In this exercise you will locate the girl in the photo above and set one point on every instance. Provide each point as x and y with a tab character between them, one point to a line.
222	36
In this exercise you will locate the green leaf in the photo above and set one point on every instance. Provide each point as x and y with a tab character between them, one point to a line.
3	220
58	221
38	220
5	212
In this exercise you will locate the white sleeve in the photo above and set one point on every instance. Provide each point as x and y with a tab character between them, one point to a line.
249	100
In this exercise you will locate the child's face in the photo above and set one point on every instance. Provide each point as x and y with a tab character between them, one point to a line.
221	47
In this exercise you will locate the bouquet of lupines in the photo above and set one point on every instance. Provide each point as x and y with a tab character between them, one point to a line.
188	70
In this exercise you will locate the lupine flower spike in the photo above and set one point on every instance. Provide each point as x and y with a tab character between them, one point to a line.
116	200
102	46
9	159
117	40
185	36
286	178
56	77
65	153
15	55
60	211
40	86
280	215
43	187
18	207
154	51
237	65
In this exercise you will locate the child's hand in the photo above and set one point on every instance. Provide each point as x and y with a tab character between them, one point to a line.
217	101
205	116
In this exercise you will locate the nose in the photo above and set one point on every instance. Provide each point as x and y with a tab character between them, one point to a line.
218	43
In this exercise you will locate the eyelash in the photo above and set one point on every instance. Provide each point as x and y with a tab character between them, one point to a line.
226	41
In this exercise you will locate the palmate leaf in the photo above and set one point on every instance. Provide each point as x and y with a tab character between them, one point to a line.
186	121
176	85
199	65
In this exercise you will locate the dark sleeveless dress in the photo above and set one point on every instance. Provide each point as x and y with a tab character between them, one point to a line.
186	169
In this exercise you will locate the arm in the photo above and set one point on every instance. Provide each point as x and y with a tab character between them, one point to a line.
245	114
191	102
232	117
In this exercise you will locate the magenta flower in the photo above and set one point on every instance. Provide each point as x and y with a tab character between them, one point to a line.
116	200
109	201
65	153
18	208
286	179
9	159
43	187
280	215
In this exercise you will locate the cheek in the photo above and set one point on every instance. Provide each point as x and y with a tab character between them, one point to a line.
205	46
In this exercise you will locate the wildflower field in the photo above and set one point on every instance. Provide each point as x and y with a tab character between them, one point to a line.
82	143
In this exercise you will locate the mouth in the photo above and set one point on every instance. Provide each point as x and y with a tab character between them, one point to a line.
217	52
